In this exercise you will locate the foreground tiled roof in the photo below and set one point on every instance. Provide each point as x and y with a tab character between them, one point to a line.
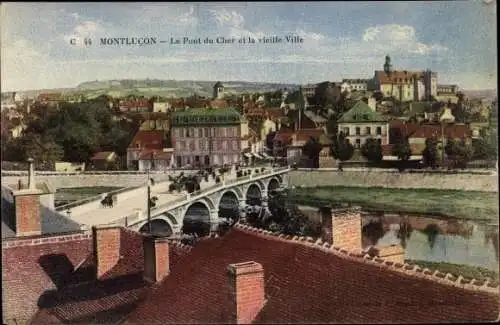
109	300
32	266
309	282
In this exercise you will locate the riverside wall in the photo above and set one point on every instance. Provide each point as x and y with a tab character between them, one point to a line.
392	179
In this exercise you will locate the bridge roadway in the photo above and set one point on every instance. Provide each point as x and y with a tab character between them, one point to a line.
131	206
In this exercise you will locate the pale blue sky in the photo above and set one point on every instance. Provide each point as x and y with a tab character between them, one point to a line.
341	40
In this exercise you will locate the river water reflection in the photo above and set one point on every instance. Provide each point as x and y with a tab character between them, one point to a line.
431	239
436	240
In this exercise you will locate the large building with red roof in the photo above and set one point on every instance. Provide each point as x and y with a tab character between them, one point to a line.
144	140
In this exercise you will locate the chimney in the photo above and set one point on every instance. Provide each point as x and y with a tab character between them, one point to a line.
342	228
106	247
27	207
246	281
156	258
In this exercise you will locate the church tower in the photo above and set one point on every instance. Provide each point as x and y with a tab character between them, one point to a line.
388	65
218	90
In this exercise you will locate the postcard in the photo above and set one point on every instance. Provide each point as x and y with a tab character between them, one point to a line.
249	162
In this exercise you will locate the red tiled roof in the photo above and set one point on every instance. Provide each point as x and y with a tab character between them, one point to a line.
101	155
397	76
305	134
157	154
275	112
454	131
112	297
304	284
148	139
29	270
218	103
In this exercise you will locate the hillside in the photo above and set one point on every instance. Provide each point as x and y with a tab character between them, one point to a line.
171	88
484	93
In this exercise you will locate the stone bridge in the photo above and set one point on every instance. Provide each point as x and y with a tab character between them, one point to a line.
235	196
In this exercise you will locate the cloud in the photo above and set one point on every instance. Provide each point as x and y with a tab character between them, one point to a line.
225	18
400	38
188	18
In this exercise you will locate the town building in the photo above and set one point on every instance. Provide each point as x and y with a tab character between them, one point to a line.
309	90
137	105
144	141
50	98
161	107
218	90
156	159
405	85
206	137
447	93
361	123
350	85
105	160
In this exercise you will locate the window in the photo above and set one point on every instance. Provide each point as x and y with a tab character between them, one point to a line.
235	145
346	131
358	143
179	161
358	131
368	130
201	144
206	132
187	133
379	130
224	145
213	132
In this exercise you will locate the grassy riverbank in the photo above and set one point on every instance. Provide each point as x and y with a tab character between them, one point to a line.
473	205
467	271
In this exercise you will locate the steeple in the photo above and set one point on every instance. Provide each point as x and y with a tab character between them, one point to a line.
388	65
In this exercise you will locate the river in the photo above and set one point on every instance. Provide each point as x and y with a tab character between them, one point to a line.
431	239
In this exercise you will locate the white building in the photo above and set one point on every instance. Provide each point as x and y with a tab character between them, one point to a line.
350	85
161	107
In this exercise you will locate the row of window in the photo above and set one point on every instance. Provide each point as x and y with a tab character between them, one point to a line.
206	132
207	144
207	160
358	142
368	131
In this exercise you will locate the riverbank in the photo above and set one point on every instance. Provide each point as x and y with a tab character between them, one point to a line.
467	271
471	205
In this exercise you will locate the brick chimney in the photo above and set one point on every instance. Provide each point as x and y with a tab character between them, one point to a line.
106	247
156	258
27	206
247	296
342	228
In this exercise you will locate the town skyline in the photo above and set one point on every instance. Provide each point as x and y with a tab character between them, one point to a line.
38	55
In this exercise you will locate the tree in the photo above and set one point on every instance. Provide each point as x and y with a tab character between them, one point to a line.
459	152
43	149
311	150
378	96
372	150
331	125
430	153
341	149
486	147
402	150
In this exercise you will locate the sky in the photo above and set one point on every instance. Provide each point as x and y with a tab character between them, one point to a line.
457	39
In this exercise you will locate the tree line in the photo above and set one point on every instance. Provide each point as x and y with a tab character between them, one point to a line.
72	132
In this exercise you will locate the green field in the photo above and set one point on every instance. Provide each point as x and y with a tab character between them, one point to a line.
472	205
467	271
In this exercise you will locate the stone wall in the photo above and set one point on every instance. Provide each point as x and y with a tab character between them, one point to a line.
394	179
58	181
346	230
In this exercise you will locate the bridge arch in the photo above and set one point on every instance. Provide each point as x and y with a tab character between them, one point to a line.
238	193
197	217
273	184
164	225
229	205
